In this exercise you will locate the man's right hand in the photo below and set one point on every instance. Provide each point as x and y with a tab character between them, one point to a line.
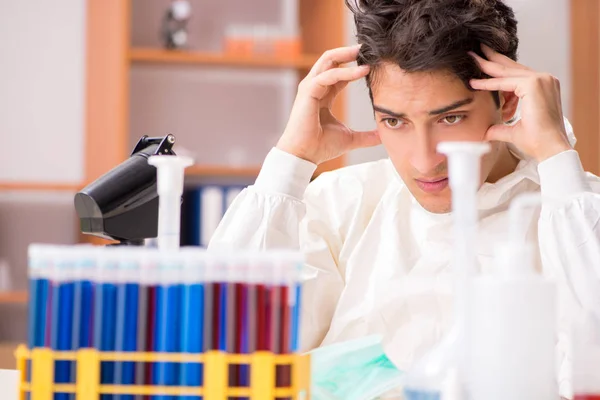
312	132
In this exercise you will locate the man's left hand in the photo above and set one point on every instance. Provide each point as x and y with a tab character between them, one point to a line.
540	133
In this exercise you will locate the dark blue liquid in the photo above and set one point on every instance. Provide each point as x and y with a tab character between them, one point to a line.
222	341
127	328
38	302
192	333
62	331
244	310
167	335
86	315
104	330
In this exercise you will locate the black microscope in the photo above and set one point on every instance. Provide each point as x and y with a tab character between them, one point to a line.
122	205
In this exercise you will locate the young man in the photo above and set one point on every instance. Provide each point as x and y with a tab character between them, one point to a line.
379	234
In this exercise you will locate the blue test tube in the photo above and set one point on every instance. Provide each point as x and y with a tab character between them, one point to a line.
127	315
39	299
83	300
62	314
83	305
105	311
39	295
63	299
192	321
222	313
168	317
232	332
243	282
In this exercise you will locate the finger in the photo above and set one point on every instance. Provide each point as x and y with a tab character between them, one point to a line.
322	83
333	58
498	70
364	139
512	84
338	87
500	133
496	57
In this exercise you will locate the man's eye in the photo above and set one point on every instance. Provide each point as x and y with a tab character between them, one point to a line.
392	123
453	119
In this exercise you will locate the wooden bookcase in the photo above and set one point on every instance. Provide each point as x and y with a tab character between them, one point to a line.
110	57
109	60
585	81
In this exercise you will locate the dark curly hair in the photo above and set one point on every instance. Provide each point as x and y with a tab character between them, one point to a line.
432	35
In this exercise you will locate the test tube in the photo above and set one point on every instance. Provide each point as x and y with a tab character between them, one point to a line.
62	313
85	259
149	278
242	321
39	281
221	313
127	313
278	301
38	270
232	278
192	328
250	336
105	310
168	317
288	263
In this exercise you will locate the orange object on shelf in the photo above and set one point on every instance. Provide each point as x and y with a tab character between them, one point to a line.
291	47
239	46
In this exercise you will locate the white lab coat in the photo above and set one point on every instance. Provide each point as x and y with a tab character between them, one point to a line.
383	262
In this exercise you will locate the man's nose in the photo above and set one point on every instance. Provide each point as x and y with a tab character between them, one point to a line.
425	156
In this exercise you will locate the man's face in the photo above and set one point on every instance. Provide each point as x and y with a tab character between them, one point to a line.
415	112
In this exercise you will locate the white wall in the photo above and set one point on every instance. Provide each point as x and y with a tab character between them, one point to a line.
42	98
544	34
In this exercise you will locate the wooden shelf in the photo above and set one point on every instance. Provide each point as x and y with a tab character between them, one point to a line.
41	186
217	171
148	55
13	297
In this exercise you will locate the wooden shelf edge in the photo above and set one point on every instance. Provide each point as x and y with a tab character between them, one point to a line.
217	171
41	186
16	297
149	55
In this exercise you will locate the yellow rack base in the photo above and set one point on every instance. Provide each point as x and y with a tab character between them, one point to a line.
87	384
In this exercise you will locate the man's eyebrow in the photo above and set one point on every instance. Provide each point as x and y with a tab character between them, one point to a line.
438	111
388	112
452	106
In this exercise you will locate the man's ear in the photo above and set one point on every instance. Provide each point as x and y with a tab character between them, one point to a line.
508	104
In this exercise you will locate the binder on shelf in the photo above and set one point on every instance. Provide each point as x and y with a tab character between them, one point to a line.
203	209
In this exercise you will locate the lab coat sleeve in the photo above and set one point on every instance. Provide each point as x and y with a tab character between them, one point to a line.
569	236
283	211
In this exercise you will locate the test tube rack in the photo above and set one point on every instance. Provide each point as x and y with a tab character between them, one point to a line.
87	385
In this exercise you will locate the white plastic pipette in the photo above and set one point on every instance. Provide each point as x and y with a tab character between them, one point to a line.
169	183
445	366
464	177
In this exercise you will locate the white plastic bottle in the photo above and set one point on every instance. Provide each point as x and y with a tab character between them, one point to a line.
585	344
512	325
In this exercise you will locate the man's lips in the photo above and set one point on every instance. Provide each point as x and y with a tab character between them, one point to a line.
432	185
